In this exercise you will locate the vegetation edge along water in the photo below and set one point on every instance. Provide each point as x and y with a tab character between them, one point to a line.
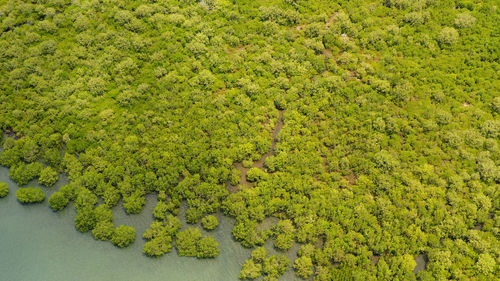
387	110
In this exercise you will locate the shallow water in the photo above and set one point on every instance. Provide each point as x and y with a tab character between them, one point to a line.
37	244
421	261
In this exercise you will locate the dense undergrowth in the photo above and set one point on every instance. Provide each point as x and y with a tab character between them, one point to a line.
389	147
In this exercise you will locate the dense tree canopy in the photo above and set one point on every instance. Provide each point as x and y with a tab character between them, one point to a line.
365	132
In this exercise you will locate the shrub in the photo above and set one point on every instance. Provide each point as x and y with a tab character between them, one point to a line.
210	222
207	247
4	189
158	246
123	236
187	240
30	195
48	177
103	230
464	20
57	201
448	36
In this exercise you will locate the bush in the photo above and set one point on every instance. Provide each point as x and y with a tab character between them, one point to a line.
103	230
4	189
276	265
30	195
210	222
133	204
448	36
57	201
186	242
85	220
207	247
256	174
22	173
304	267
48	177
158	246
250	270
464	20
259	254
190	243
123	236
68	191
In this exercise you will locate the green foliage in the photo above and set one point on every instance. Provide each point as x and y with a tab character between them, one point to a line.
22	173
4	189
448	36
187	240
275	265
486	264
259	254
68	191
158	246
190	242
272	267
48	177
133	204
250	270
464	20
85	199
103	230
85	219
123	236
303	266
207	247
57	201
256	174
210	222
160	236
30	195
366	130
285	235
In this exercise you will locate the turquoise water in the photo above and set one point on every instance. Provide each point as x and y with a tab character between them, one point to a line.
37	244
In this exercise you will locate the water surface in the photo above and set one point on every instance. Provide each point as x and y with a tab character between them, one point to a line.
37	244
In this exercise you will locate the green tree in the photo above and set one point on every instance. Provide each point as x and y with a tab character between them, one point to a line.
123	236
210	222
256	174
4	189
448	36
48	177
464	20
22	173
303	266
207	247
57	201
250	270
30	195
259	254
486	263
85	219
133	204
275	265
158	246
187	240
103	230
